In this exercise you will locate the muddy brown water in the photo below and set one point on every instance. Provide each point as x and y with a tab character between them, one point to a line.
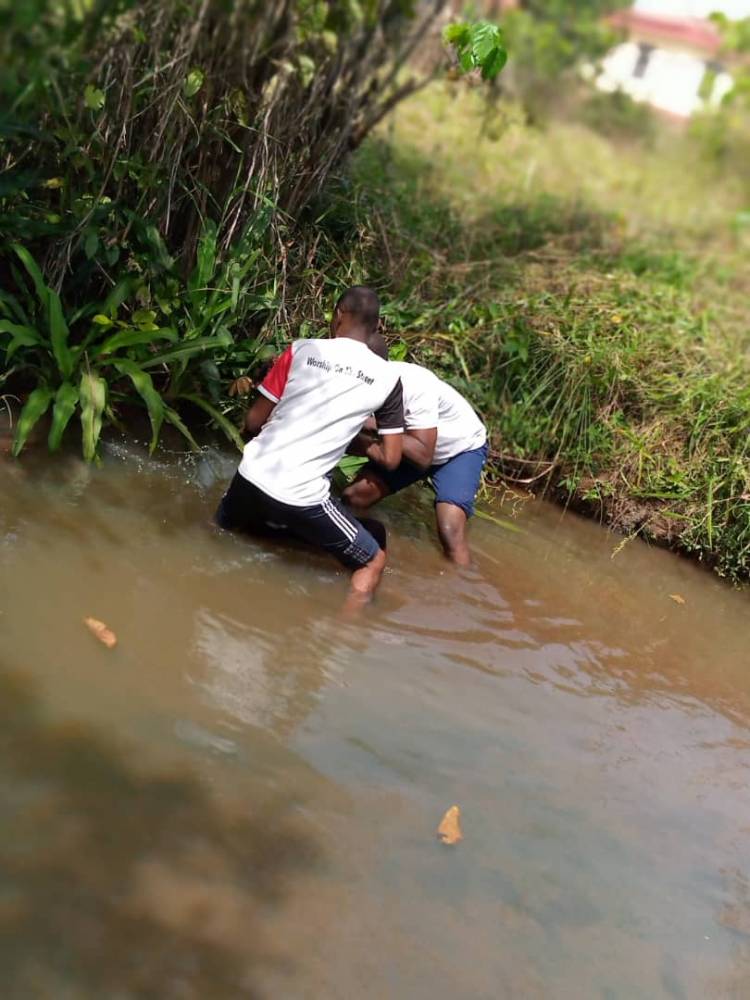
241	799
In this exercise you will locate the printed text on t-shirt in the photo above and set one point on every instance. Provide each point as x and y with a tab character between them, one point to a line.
326	366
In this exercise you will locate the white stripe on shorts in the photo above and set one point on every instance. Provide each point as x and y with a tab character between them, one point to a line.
340	520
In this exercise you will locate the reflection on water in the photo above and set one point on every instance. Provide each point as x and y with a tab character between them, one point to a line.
241	799
118	882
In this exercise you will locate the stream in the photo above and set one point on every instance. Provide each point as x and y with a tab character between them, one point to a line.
241	798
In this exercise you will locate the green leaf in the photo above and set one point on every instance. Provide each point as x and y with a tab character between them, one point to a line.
18	330
218	417
154	237
350	465
466	61
458	34
188	350
306	69
66	400
330	39
193	82
485	38
488	49
10	306
93	98
35	274
35	407
134	338
144	318
398	351
117	296
59	334
101	320
235	273
93	396
91	245
206	262
478	46
173	417
145	389
494	64
23	336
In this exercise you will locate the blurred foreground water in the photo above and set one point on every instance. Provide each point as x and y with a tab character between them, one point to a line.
241	799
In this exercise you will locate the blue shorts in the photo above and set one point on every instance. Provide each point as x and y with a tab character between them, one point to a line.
326	525
456	481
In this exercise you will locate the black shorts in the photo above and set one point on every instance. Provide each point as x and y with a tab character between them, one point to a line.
326	525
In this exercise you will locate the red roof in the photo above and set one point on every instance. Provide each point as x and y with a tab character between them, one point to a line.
692	32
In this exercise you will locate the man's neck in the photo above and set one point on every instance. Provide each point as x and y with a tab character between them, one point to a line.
357	336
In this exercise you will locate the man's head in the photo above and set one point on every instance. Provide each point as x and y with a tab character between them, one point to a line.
356	314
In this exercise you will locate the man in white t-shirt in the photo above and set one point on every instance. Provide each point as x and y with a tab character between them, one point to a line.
313	401
445	441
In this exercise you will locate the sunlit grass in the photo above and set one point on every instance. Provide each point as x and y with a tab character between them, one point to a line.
480	156
588	295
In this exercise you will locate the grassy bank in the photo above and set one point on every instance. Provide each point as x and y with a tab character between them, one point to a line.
587	295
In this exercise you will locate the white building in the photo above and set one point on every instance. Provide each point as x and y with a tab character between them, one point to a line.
670	59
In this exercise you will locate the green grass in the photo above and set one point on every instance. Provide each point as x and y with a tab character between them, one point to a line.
587	295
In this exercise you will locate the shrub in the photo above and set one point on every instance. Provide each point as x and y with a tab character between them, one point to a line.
618	116
161	152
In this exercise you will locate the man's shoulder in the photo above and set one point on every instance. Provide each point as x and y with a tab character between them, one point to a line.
416	377
408	369
343	355
321	347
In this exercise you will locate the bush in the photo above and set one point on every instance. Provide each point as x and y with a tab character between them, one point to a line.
618	116
157	152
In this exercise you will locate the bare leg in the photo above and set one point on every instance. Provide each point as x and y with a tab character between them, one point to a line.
365	491
364	583
451	526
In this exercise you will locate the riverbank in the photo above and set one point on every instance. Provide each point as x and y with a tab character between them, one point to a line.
587	295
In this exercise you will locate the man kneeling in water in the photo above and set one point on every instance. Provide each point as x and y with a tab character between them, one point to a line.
314	400
445	441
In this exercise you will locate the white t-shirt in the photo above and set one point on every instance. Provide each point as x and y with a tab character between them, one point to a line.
324	391
430	402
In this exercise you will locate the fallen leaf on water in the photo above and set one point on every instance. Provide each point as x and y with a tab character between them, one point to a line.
105	635
678	598
449	831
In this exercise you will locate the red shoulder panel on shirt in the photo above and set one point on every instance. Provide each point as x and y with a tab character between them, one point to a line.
274	383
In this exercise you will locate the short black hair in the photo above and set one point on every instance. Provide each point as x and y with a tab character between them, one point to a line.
362	303
377	344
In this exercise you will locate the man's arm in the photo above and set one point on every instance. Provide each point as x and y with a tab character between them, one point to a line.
388	451
419	447
270	390
422	406
257	416
389	420
367	436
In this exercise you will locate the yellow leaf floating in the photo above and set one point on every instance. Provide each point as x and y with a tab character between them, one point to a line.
449	831
98	629
678	598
